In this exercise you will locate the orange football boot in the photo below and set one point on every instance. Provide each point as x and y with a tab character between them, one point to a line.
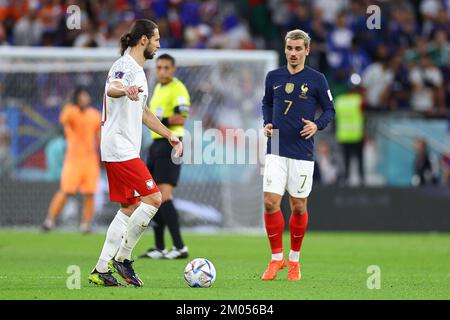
294	273
273	268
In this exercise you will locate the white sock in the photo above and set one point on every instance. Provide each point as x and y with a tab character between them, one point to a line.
112	242
277	256
294	256
49	223
139	221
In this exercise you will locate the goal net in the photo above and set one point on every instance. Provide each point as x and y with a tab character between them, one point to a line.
221	181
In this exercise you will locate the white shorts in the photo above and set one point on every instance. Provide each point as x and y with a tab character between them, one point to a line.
295	176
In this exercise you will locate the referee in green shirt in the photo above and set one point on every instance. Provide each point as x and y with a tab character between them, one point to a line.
170	103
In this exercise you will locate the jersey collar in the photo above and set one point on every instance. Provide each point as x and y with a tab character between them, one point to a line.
134	61
294	74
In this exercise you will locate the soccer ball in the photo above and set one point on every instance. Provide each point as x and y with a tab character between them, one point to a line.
200	272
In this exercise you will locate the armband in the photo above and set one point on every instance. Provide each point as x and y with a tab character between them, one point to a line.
165	121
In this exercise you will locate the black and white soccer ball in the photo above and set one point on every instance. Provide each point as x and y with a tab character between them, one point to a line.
200	273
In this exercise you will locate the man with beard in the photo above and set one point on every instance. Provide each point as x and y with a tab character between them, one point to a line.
130	182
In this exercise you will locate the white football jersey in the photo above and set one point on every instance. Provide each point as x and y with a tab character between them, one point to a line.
122	117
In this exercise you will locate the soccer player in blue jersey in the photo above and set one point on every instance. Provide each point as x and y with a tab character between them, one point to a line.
292	94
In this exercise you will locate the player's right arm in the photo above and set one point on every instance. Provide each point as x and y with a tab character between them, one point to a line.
267	106
120	82
117	89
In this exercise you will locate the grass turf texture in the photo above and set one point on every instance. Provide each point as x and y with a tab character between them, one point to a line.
334	266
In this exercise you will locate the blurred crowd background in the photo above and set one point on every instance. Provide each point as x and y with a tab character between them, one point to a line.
401	68
404	65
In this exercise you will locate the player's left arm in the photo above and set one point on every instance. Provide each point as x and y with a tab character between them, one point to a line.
153	123
325	100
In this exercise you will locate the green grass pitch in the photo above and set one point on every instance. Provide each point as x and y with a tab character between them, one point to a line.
334	266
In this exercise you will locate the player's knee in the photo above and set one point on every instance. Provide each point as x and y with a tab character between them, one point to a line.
299	208
128	209
271	205
155	199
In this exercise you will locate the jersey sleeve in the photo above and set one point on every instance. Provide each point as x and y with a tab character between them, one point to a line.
326	102
121	71
181	101
267	102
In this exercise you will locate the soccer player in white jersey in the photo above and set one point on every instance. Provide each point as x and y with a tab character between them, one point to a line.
130	182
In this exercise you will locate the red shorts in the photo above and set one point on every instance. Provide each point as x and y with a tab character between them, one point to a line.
129	180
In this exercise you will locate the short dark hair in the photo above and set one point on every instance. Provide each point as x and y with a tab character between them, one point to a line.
166	56
76	94
141	27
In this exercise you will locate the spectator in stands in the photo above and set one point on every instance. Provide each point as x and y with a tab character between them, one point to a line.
330	9
166	38
358	18
3	41
327	166
427	91
446	87
196	37
421	27
50	13
339	42
113	35
425	169
318	55
403	28
413	54
237	32
377	81
11	11
442	22
400	90
219	39
300	18
358	59
429	10
90	37
28	30
439	48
